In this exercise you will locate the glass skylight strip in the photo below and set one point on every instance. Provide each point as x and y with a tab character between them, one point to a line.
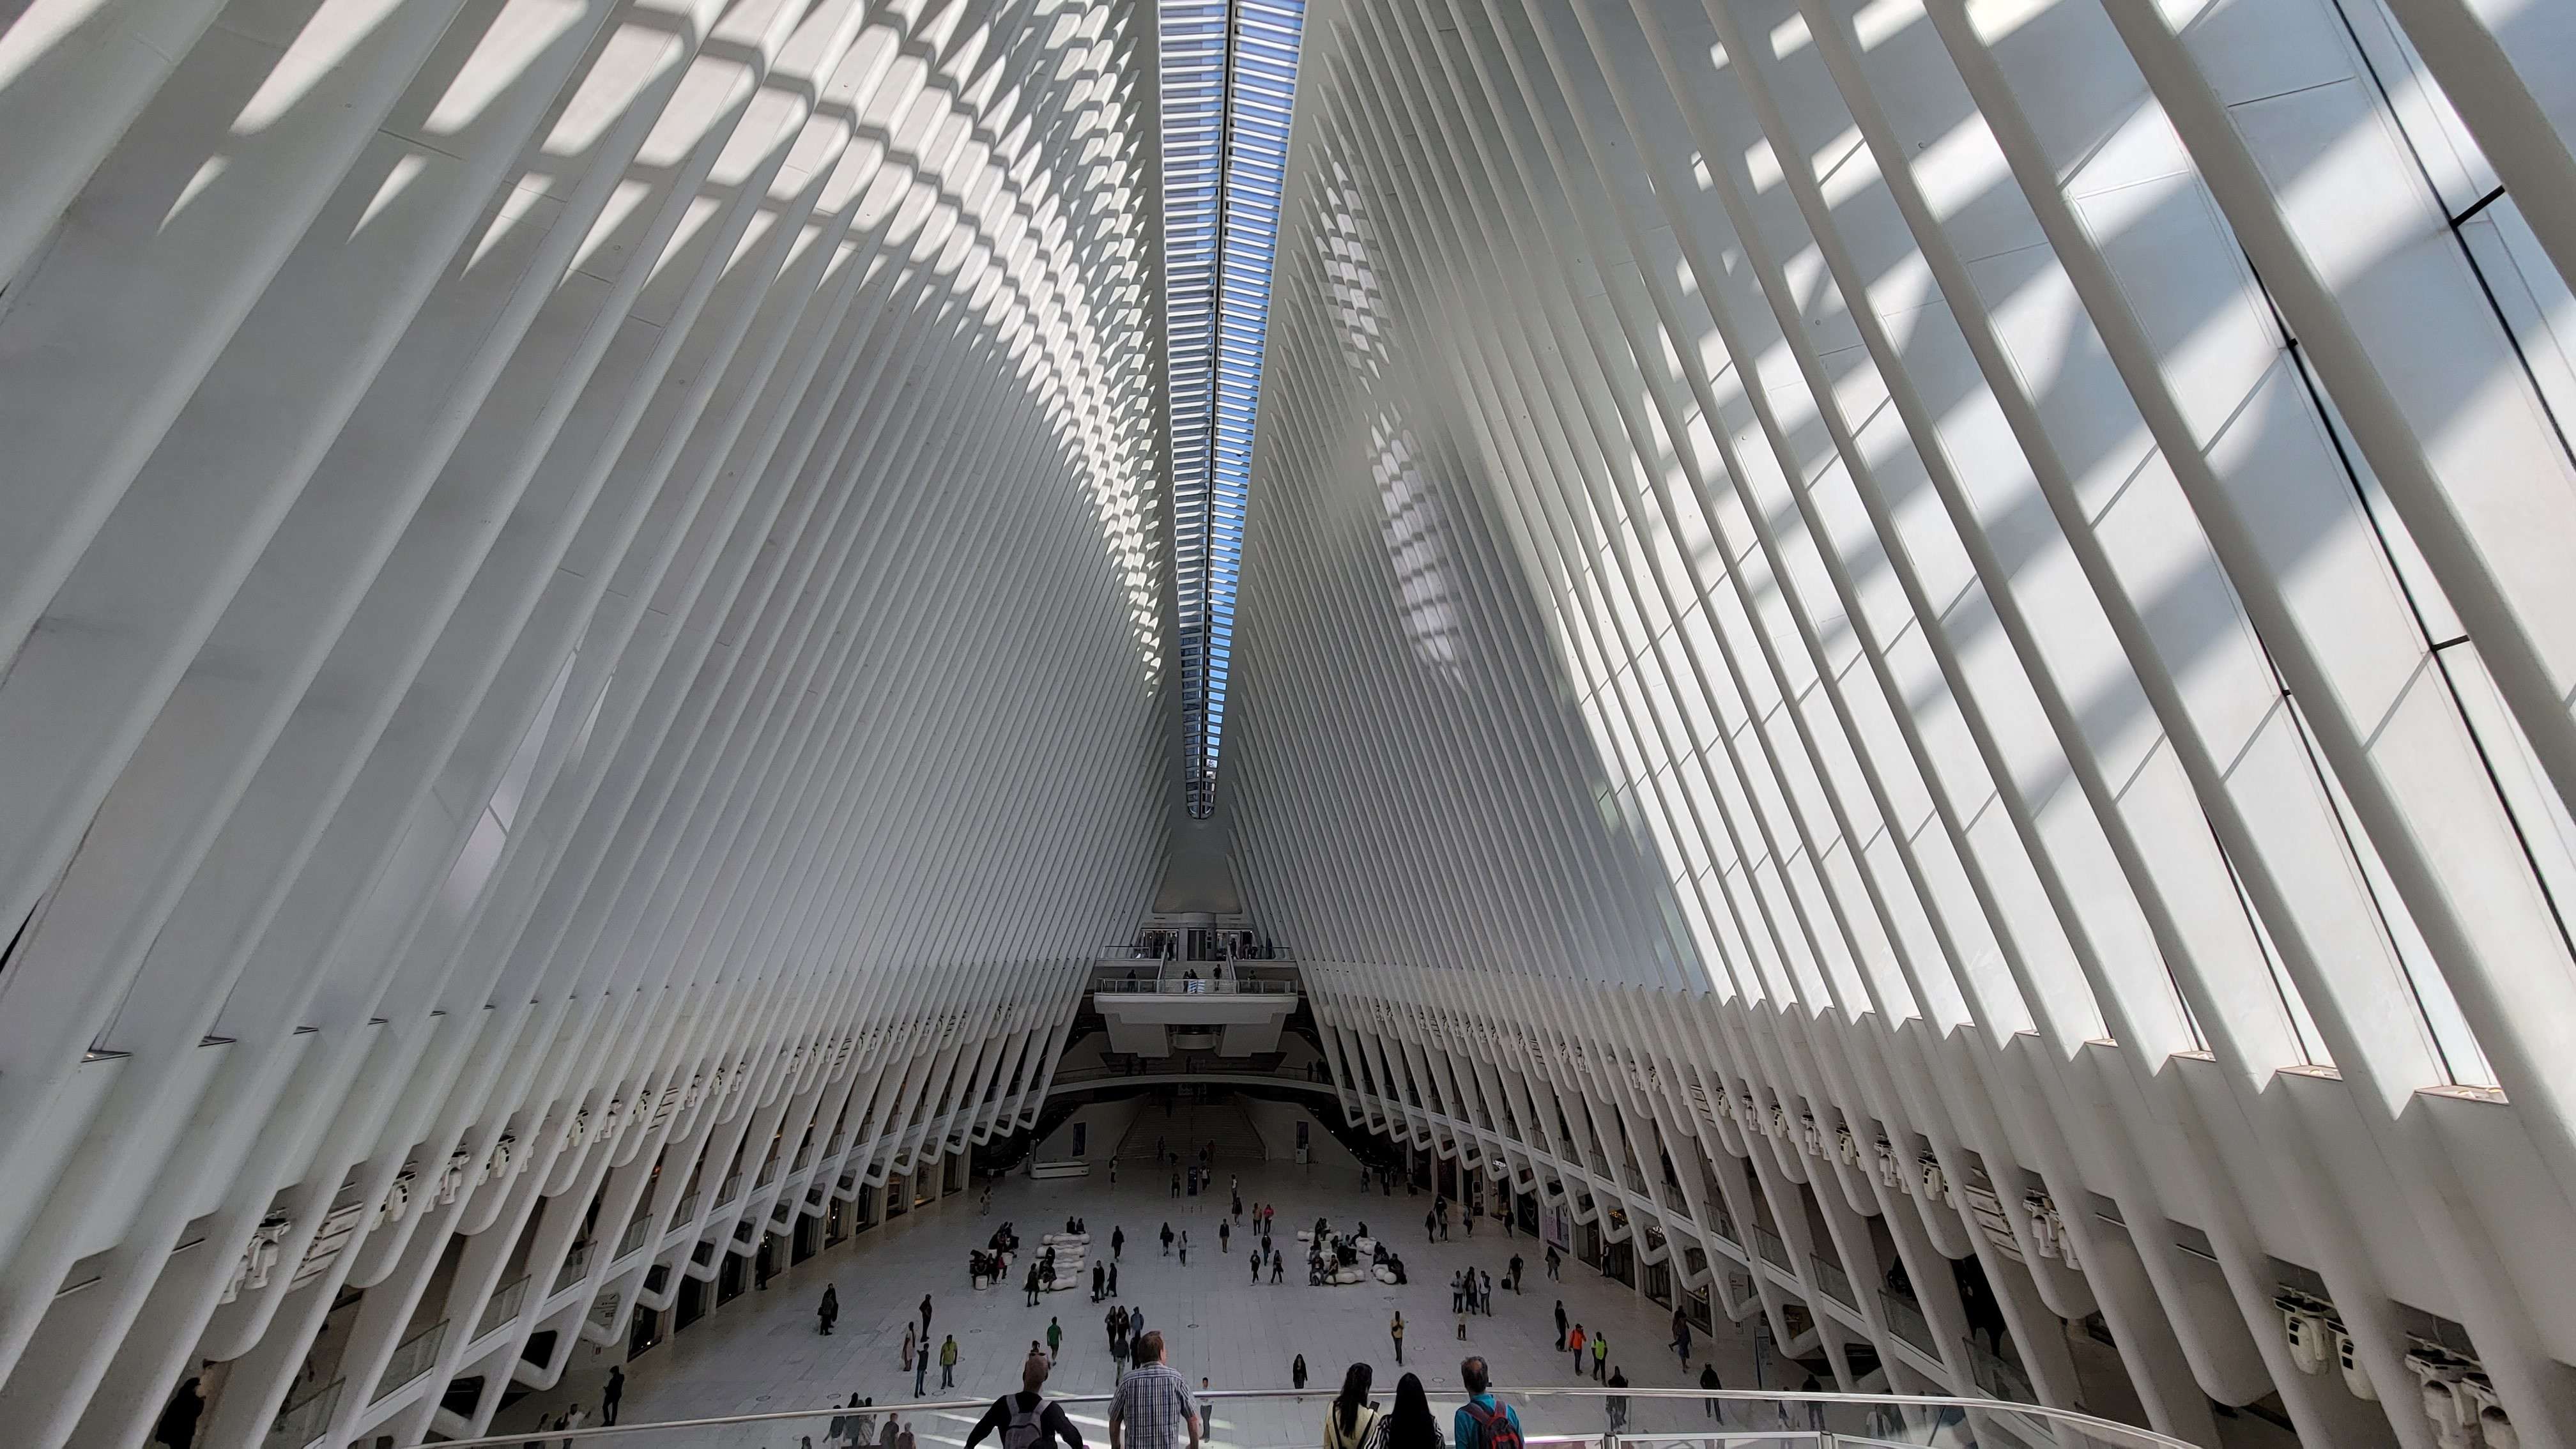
1229	87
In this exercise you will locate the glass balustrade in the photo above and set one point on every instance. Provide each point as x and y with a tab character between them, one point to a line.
1599	1418
412	1358
301	1422
504	1305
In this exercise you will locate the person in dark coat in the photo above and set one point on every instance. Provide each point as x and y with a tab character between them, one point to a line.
178	1425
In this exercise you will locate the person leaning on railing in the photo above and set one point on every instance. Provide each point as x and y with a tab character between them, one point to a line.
1153	1405
1483	1422
1350	1421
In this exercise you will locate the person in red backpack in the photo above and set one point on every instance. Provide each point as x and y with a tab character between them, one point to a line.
1483	1422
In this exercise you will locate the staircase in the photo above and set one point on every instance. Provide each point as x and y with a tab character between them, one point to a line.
1189	1126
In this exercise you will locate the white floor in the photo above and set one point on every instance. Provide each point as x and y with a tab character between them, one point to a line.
761	1353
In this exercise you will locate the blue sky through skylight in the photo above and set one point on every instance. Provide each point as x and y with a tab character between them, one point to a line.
1229	77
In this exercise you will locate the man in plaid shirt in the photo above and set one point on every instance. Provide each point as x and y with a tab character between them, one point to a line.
1153	1404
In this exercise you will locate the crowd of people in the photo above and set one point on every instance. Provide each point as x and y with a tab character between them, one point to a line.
1155	1407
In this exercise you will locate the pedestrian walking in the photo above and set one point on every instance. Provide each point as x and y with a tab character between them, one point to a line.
1552	1261
1575	1341
908	1345
1681	1337
1560	1320
1514	1276
1099	1280
1618	1403
1055	1339
612	1395
1485	1292
1225	1235
1430	1226
1113	1280
1117	1243
1600	1355
925	1318
1167	1240
1395	1330
1708	1383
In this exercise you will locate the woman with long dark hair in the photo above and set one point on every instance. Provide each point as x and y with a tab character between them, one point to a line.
1410	1425
1352	1420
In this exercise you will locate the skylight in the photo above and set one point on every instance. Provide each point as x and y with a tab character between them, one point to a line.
1229	78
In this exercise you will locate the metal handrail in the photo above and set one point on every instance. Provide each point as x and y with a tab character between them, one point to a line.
2128	1436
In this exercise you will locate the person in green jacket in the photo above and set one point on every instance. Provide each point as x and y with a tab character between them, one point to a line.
1600	1356
1055	1337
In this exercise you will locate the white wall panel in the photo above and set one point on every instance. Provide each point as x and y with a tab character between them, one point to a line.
590	599
1960	533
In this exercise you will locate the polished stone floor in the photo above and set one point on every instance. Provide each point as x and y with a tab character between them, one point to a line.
760	1353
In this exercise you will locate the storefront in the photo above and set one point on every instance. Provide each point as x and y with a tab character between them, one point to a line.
1556	1227
898	1196
1695	1301
1657	1283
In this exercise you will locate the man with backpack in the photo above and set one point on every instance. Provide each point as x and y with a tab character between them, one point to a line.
1483	1422
1027	1419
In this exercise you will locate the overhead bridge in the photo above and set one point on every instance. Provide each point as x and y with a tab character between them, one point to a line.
1154	1008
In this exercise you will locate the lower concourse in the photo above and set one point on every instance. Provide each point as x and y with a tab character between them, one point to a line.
763	1351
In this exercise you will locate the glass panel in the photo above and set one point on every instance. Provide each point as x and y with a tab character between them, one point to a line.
1229	81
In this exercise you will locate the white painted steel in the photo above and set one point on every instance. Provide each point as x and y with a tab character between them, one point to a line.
583	590
1957	620
1806	617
